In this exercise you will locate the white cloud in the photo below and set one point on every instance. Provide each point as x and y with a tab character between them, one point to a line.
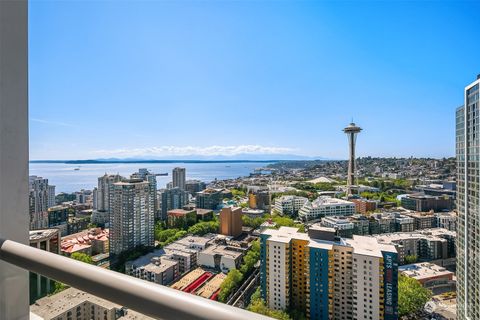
55	123
163	151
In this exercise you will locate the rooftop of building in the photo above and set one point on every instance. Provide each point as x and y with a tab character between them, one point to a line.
285	234
210	191
361	245
53	306
43	234
363	200
321	180
146	259
196	240
421	196
421	215
48	307
424	270
59	207
404	219
327	201
82	240
202	212
432	234
319	227
336	220
227	251
290	197
159	264
368	246
188	279
433	186
100	257
232	209
321	244
253	211
452	214
132	181
179	212
211	286
179	249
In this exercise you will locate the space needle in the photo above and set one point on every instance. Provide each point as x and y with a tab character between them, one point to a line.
351	131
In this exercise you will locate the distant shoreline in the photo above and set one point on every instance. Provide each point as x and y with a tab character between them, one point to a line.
151	161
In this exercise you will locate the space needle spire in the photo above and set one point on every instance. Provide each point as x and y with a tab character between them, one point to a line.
351	131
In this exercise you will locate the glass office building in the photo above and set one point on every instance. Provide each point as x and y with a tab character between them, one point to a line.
468	197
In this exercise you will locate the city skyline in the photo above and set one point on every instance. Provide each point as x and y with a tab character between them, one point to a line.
246	78
143	148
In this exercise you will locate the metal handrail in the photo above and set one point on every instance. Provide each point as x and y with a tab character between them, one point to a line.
150	299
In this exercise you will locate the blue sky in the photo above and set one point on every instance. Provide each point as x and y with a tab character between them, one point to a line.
177	78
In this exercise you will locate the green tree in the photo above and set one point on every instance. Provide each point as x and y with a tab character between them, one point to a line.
283	221
325	186
231	282
82	257
58	287
163	235
252	223
118	264
251	258
259	306
238	192
412	296
410	259
256	295
92	225
204	227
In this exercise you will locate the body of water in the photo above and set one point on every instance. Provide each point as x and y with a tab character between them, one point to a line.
67	179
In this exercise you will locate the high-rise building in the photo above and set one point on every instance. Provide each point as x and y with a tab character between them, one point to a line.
171	199
38	202
51	196
103	195
146	175
132	211
95	198
83	196
468	193
209	199
194	186
47	240
58	218
231	221
179	178
258	198
328	279
263	199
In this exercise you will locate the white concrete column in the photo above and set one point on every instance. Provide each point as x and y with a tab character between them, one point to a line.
14	292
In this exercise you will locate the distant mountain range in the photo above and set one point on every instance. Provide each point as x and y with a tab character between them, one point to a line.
191	159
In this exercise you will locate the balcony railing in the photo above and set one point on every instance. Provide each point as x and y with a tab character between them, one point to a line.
150	299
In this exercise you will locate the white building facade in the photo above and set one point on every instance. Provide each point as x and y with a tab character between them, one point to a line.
324	207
